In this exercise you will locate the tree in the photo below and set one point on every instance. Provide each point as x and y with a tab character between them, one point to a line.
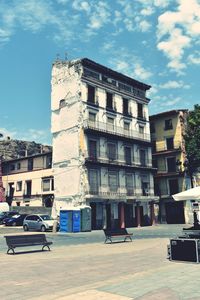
192	141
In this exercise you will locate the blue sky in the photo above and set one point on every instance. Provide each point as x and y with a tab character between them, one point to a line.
154	41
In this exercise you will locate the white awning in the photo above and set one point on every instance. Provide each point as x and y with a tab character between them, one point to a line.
191	194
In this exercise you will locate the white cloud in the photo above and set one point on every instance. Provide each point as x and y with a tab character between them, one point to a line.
172	84
81	5
147	11
178	30
128	64
144	26
100	16
194	58
162	3
172	102
8	133
141	72
37	135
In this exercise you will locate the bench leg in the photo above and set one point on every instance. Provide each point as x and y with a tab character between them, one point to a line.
47	247
108	238
13	251
128	237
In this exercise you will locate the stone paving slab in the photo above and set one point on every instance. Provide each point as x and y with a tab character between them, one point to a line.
94	295
120	271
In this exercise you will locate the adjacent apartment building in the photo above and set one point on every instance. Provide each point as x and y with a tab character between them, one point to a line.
101	144
28	181
169	157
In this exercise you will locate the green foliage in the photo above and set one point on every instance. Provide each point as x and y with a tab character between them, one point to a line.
192	139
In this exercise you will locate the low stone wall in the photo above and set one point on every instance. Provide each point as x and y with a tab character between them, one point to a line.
31	210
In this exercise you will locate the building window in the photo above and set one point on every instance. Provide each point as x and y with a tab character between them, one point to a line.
173	186
109	101
93	181
125	106
127	155
170	143
126	127
168	124
124	87
112	151
92	150
152	128
28	188
141	129
91	94
110	123
90	73
145	185
19	186
12	167
18	166
48	161
30	164
46	184
129	184
92	117
171	164
142	157
113	181
140	110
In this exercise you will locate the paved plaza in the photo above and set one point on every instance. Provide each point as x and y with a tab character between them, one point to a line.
81	266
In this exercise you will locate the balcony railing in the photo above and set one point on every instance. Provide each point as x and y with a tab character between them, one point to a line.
118	159
118	191
116	130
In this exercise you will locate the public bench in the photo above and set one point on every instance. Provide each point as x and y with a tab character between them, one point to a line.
14	241
117	233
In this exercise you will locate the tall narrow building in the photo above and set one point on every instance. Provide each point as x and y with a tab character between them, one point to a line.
169	157
101	144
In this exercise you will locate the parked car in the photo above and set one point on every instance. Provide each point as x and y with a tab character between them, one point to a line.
7	214
38	222
16	220
8	218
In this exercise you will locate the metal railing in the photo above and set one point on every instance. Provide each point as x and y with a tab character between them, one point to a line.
118	191
116	130
119	159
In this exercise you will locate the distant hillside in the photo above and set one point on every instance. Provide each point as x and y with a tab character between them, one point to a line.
11	149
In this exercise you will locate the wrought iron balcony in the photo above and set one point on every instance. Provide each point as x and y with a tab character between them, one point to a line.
114	191
116	130
118	159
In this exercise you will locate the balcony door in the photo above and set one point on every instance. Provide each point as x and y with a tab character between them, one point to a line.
93	181
170	143
112	151
113	181
171	164
127	155
142	157
173	186
129	184
92	150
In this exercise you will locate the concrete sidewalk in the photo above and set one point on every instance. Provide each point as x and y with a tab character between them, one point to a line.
119	271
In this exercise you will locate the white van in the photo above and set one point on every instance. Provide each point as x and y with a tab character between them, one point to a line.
4	207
